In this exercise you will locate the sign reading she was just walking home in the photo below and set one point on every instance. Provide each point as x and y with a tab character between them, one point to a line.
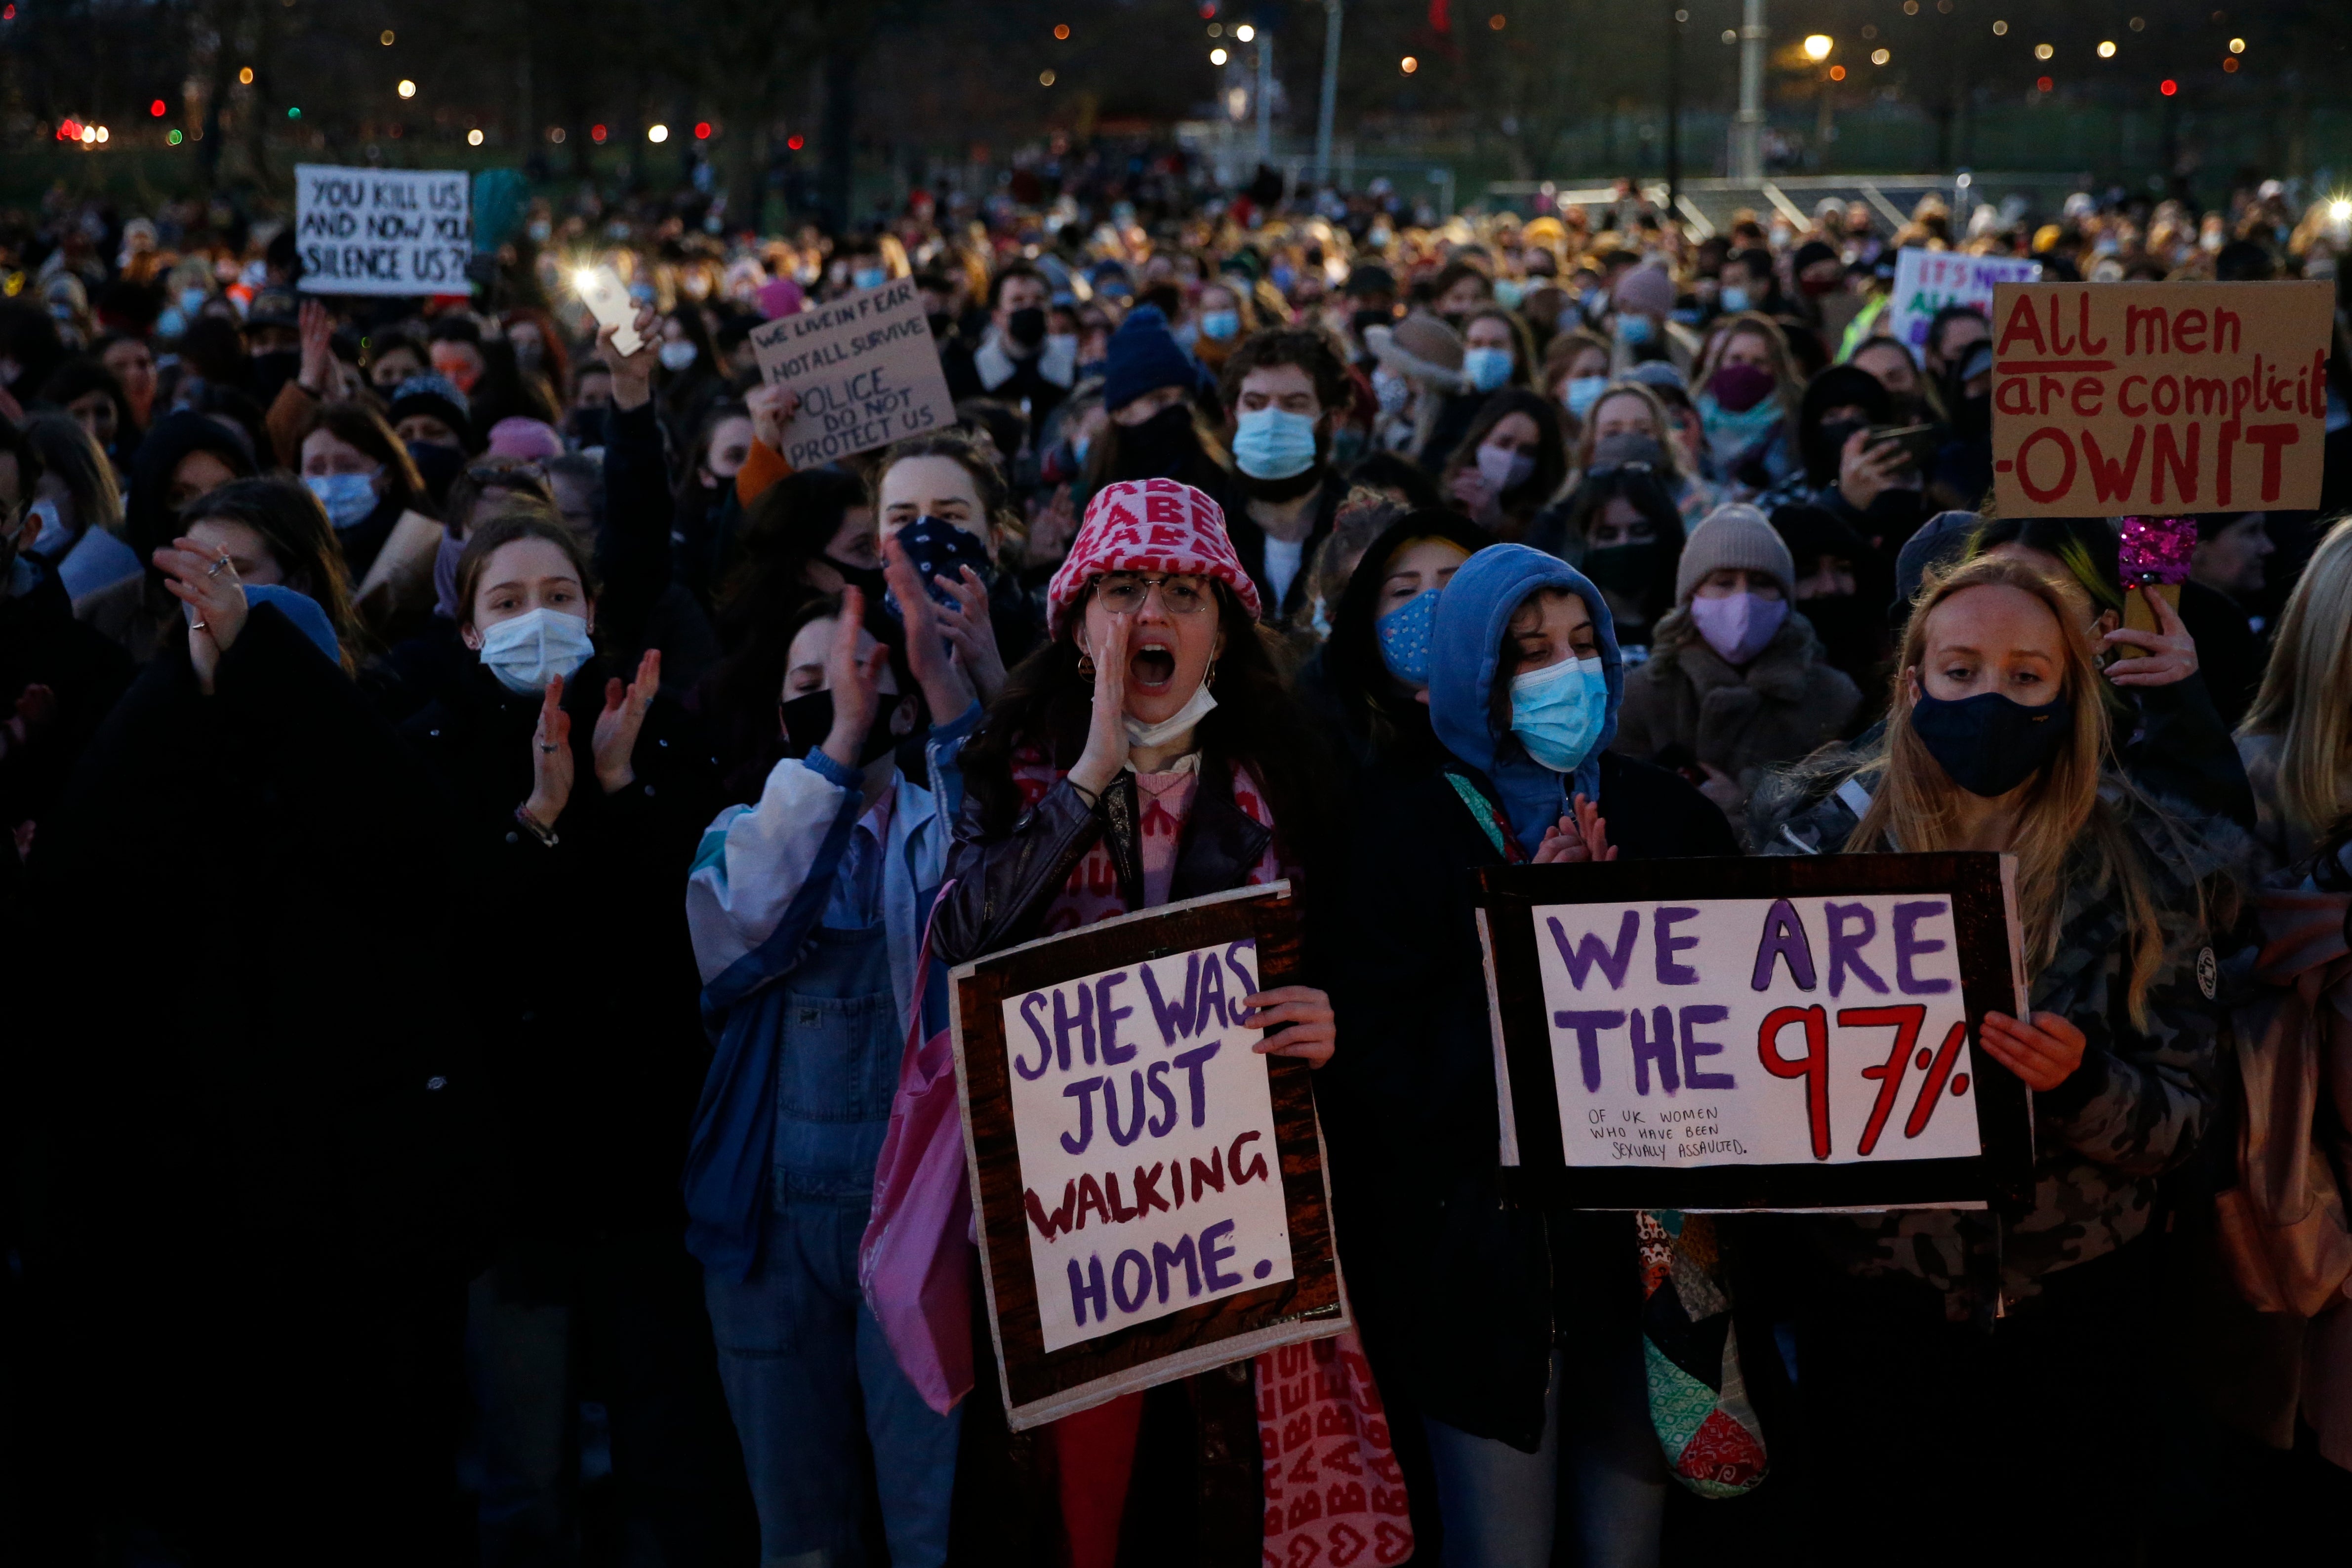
1769	1033
867	369
1150	1187
382	231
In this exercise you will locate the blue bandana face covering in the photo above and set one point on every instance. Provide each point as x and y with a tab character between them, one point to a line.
1404	638
1557	711
939	549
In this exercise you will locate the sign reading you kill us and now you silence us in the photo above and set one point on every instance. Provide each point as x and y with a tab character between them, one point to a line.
2126	399
382	231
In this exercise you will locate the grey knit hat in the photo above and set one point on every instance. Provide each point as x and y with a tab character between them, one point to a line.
1734	535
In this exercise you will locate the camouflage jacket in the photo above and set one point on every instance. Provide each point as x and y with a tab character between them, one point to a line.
2132	1111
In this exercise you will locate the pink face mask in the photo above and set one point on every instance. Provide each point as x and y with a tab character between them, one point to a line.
1738	626
1738	388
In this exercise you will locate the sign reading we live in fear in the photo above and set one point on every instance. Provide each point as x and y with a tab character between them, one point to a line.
2114	399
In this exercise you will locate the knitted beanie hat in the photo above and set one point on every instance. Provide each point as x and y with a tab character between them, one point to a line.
1647	290
1144	357
1150	525
1734	535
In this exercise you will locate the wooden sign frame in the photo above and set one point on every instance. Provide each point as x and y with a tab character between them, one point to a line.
1041	1385
1991	980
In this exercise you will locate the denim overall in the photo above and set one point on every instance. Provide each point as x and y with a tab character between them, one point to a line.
807	1372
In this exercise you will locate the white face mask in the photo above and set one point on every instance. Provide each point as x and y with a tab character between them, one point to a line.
525	650
1176	725
675	357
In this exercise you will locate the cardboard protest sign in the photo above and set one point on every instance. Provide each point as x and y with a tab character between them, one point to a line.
1769	1033
1151	1196
867	369
1927	280
382	231
2117	398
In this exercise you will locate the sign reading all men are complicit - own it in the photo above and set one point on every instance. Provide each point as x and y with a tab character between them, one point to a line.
1768	1033
2127	398
1151	1194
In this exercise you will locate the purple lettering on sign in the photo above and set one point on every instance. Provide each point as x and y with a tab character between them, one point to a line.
1083	1021
1661	931
1784	938
1030	1005
1107	1021
1590	952
1175	1019
1693	1048
1656	1046
1908	945
1845	950
1082	1091
1587	1028
1216	1246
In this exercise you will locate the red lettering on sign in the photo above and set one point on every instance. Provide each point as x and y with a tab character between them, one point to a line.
1813	1067
2025	464
2170	458
2113	480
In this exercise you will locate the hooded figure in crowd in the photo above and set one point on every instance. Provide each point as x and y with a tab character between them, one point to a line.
1515	1336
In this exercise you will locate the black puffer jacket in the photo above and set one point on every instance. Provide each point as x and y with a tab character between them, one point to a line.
574	962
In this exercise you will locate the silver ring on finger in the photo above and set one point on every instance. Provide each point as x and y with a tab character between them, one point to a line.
215	569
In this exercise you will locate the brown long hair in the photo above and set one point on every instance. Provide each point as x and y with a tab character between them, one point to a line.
2305	700
2066	834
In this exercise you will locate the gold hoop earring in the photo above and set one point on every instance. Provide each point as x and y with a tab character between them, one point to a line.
1086	666
1209	676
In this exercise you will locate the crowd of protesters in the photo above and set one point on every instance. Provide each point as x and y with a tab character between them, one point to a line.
483	829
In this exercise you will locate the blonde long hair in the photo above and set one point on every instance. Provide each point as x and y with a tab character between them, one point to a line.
2305	701
2065	832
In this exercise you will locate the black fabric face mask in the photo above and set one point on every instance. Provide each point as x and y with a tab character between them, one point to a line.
866	579
1026	327
808	723
1990	744
1159	446
439	466
941	324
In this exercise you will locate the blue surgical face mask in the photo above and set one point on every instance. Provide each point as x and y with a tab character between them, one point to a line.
193	300
675	356
1510	292
1274	444
1581	392
1486	368
54	533
525	650
868	277
1734	298
1633	330
1404	638
1221	326
1558	712
350	499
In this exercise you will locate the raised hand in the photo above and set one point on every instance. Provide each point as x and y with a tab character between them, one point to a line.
972	633
551	757
1052	529
856	682
624	716
1310	1029
947	689
318	374
1866	472
1581	837
2157	658
633	374
771	408
1105	751
209	586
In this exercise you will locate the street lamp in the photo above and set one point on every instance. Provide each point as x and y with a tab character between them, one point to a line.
1818	47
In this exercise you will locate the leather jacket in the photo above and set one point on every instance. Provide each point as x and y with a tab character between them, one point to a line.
999	886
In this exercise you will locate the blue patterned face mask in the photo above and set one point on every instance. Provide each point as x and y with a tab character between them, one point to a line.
1557	711
1404	638
939	549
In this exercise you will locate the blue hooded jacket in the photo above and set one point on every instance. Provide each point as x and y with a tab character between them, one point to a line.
1464	649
